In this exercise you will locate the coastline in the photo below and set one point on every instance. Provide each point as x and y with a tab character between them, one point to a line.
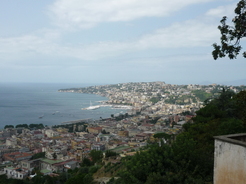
24	104
104	103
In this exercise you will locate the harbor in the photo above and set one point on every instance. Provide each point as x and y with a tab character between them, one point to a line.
108	105
105	104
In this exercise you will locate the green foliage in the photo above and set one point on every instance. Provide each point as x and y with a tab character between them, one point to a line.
39	155
112	167
88	179
189	159
220	107
209	113
240	103
86	162
83	170
171	100
231	35
54	155
38	179
96	155
36	126
82	175
76	179
202	95
50	180
121	116
186	113
111	181
21	126
104	132
180	100
165	164
70	126
231	126
155	178
31	126
8	126
162	135
153	120
155	99
3	179
93	169
110	153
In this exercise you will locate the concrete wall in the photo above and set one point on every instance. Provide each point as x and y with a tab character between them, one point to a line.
229	162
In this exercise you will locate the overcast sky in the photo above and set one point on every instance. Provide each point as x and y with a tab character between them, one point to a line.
114	41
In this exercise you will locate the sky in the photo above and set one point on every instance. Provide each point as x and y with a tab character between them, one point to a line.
115	41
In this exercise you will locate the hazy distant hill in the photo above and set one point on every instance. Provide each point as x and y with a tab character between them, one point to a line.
233	83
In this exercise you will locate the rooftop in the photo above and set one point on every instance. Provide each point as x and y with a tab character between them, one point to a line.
45	171
239	139
51	161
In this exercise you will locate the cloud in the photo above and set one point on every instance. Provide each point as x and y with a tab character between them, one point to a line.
86	14
222	11
22	44
189	34
179	35
182	35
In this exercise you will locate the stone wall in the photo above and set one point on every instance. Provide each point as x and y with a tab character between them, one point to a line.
229	160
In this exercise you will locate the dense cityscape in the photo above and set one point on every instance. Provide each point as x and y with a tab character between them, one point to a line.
57	127
153	108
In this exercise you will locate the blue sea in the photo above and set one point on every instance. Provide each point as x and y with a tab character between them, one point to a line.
42	103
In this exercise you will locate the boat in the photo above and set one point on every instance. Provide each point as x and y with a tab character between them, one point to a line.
91	107
40	117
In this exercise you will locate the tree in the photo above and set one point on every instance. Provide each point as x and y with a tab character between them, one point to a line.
190	157
38	155
88	178
54	156
8	126
104	131
154	100
96	155
3	179
21	126
110	153
86	162
36	126
126	115
162	135
231	35
240	103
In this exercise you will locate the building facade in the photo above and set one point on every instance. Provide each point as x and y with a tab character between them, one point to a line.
230	159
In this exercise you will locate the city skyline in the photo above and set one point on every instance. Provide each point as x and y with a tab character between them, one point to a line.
109	42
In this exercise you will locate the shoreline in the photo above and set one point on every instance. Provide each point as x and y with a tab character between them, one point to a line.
44	102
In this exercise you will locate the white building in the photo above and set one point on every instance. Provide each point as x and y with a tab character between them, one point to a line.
16	173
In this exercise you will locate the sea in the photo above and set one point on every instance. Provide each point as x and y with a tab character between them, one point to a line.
31	103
